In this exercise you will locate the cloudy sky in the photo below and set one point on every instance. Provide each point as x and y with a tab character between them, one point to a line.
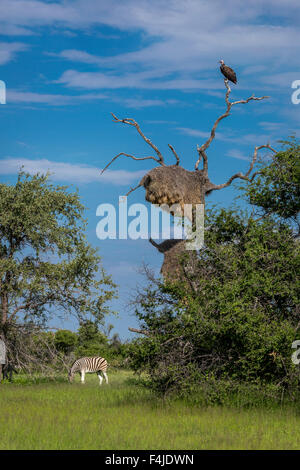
68	64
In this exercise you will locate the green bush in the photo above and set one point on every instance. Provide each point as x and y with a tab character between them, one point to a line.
65	341
234	318
91	341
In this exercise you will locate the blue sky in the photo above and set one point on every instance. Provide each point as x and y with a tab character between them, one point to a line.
68	64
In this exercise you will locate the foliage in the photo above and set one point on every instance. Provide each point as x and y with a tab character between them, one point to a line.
43	355
91	342
276	188
65	340
31	350
235	317
46	264
45	260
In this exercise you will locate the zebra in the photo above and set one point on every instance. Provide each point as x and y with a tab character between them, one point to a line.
89	364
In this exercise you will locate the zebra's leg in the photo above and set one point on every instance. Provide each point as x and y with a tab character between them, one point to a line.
82	376
100	377
105	376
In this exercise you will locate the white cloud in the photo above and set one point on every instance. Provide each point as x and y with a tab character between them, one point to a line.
284	79
13	30
27	97
8	50
193	132
181	41
80	173
272	126
145	80
235	153
146	103
229	137
74	55
124	269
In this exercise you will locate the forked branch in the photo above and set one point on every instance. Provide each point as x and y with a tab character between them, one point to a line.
132	122
201	150
245	176
130	156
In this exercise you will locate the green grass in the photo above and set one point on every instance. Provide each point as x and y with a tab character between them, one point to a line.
123	415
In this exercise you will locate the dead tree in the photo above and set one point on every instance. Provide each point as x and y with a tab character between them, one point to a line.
174	185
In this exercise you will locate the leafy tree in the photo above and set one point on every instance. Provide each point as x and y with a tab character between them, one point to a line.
46	264
276	188
91	341
65	341
235	317
115	343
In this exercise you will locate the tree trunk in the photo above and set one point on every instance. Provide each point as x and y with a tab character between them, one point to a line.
3	321
4	308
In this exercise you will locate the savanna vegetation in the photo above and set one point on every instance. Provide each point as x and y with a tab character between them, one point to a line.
125	415
47	268
231	322
212	368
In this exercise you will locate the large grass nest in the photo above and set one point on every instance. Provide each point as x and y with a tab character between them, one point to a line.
175	185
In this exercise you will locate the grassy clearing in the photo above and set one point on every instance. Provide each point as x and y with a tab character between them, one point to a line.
125	416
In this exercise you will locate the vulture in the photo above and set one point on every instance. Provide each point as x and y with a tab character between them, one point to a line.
228	72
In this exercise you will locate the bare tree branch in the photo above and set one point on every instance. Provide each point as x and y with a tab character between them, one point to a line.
28	305
246	175
175	154
201	150
202	154
132	122
130	156
156	245
142	332
133	189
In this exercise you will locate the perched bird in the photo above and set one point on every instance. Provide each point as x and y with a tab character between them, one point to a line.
228	72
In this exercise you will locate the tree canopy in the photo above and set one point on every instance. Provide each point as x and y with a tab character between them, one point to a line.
46	264
276	187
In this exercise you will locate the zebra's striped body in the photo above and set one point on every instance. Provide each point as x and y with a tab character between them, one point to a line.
89	364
